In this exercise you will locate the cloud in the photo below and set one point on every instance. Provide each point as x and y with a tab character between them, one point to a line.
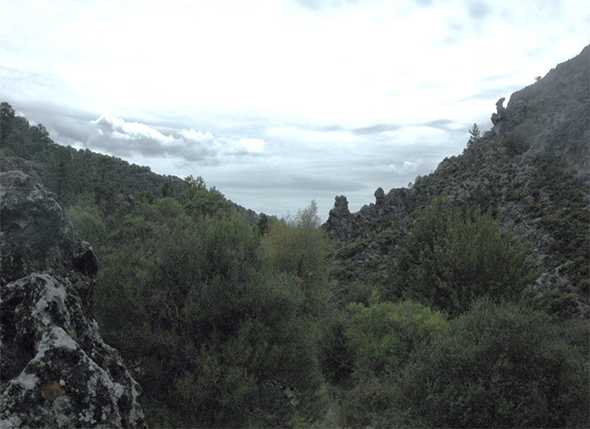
387	129
253	145
322	4
478	9
281	94
126	138
376	129
311	135
123	130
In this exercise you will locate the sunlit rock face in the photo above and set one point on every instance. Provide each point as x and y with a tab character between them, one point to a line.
55	369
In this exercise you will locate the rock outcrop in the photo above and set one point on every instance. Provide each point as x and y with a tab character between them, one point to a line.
532	171
55	369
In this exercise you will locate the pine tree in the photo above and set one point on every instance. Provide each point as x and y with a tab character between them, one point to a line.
474	135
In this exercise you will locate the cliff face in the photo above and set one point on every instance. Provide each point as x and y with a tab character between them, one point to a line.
532	171
55	369
553	115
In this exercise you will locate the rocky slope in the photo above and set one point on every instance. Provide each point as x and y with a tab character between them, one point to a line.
532	170
55	369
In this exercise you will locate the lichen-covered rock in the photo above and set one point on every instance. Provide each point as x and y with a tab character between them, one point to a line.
55	369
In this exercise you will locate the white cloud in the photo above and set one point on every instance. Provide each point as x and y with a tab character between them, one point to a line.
122	129
415	134
312	136
195	135
279	83
252	145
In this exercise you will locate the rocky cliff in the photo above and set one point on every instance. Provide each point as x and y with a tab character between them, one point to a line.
55	369
531	170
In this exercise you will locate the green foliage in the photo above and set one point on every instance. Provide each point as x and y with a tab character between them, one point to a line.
452	256
302	250
69	172
474	134
308	217
88	223
381	339
220	336
383	336
199	201
230	320
501	366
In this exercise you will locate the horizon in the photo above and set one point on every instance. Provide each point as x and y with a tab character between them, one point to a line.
281	103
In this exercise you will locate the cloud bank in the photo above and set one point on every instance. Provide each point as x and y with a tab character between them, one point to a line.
276	102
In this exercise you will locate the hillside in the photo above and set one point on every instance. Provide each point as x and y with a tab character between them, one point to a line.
80	175
531	171
130	299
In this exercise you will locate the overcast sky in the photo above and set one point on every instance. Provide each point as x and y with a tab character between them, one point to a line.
279	102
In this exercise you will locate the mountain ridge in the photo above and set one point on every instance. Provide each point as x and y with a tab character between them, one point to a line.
544	128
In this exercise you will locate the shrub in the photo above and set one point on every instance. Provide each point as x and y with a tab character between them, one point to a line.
301	249
216	334
500	366
452	256
381	338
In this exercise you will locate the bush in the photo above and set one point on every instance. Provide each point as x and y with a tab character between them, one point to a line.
452	256
500	366
381	339
302	250
216	334
382	336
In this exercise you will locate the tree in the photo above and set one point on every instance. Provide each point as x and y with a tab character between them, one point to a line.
474	134
308	217
6	117
301	249
452	256
383	336
380	340
221	336
500	366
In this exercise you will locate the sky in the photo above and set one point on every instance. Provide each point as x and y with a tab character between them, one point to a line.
279	102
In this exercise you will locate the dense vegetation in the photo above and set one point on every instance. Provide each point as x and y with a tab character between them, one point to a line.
230	322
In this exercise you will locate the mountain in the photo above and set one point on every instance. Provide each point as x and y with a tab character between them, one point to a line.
531	171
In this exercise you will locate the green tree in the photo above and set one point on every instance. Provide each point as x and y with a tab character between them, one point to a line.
219	336
308	217
452	256
500	366
303	250
474	134
382	339
6	118
383	336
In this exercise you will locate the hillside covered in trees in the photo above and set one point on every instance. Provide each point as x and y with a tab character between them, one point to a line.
462	301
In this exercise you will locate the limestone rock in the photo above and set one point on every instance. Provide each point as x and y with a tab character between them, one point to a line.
55	369
340	223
